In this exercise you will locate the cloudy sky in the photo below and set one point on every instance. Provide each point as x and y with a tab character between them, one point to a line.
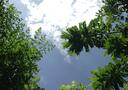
54	16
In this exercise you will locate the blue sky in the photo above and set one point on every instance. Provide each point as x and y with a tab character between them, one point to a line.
54	16
54	70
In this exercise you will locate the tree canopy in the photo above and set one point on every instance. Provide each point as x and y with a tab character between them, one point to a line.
109	30
19	52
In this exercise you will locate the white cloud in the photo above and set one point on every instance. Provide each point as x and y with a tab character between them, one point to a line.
51	14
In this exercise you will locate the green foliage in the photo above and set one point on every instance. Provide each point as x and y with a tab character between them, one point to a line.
111	76
19	53
126	86
74	42
73	86
77	38
109	30
99	31
117	46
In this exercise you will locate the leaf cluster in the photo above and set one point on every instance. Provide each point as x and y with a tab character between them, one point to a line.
73	86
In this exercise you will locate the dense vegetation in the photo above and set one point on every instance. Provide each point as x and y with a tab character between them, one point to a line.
19	53
109	30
